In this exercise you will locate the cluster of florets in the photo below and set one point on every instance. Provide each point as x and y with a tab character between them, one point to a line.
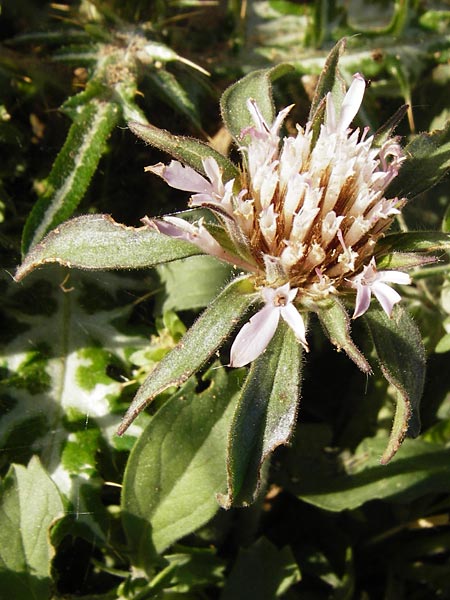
304	216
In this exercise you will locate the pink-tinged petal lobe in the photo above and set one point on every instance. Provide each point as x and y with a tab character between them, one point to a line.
254	337
394	277
181	178
362	302
352	102
295	321
386	296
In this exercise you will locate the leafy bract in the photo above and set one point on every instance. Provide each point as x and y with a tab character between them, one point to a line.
257	86
428	162
265	415
336	324
399	348
29	504
188	150
177	467
95	242
196	347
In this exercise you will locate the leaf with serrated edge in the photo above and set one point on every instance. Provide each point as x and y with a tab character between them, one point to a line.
336	324
199	343
400	352
256	85
72	170
178	465
265	416
413	241
189	151
95	242
29	504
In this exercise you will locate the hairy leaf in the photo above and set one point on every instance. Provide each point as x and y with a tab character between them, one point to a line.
336	324
29	504
95	242
428	162
72	170
401	355
256	85
177	467
189	151
199	343
265	415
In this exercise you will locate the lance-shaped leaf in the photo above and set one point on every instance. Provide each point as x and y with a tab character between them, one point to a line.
29	503
200	342
336	324
400	352
72	170
189	151
256	85
95	242
177	466
413	241
428	162
265	415
329	81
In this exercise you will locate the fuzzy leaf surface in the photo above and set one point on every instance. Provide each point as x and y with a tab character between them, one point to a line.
187	150
400	352
428	162
336	324
256	85
29	503
199	343
72	170
177	466
96	242
265	415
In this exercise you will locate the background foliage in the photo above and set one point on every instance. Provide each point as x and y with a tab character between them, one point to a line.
87	514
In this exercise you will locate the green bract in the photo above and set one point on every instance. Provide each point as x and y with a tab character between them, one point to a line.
265	404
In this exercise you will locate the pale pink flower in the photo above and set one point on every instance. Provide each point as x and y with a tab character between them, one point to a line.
306	213
255	335
370	281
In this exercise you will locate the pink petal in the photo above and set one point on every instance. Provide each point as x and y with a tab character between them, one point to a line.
352	102
254	337
295	321
394	277
362	302
181	178
386	296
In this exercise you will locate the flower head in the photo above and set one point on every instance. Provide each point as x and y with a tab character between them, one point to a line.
305	213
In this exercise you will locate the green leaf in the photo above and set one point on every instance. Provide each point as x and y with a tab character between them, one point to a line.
428	162
336	324
418	469
265	416
329	81
400	352
412	241
29	504
256	85
261	571
177	466
72	170
174	94
95	242
189	151
199	343
209	274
